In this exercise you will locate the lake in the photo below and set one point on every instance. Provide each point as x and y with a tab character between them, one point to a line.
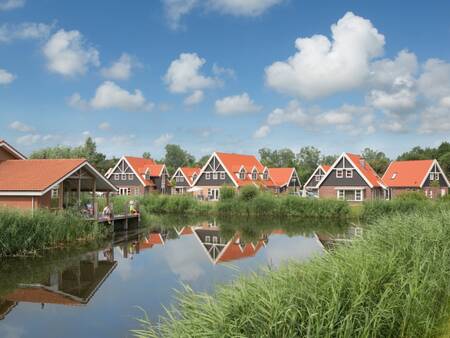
94	291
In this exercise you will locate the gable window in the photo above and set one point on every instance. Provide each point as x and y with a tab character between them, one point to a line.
194	176
207	239
431	176
215	240
124	177
339	173
130	177
222	175
242	174
208	176
215	176
116	177
349	173
179	179
254	175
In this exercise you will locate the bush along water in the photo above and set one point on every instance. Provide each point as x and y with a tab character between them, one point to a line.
393	282
23	232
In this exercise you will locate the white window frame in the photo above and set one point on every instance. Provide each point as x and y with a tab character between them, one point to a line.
317	178
215	176
254	175
207	176
242	174
266	175
339	173
360	198
431	176
215	239
117	177
207	239
222	175
130	177
340	194
348	173
123	177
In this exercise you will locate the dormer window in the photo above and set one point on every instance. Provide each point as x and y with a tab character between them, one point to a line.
242	174
266	175
254	175
194	176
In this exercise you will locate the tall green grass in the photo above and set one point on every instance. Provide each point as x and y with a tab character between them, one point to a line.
22	232
394	282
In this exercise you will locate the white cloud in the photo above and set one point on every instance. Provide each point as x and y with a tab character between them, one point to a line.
292	113
402	100
195	98
322	67
20	126
163	139
68	54
184	74
261	132
24	31
219	71
387	72
6	77
235	105
176	9
110	96
434	82
104	126
394	126
30	139
242	8
120	69
6	5
435	119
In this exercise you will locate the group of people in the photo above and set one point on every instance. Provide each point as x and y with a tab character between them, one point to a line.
108	212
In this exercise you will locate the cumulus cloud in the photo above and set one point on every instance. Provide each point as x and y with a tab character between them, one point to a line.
176	9
322	67
120	69
30	139
68	54
110	96
163	139
6	77
219	71
195	98
6	5
235	105
184	74
24	31
104	126
20	126
261	132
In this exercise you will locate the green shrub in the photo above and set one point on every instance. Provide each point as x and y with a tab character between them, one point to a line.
227	192
248	192
411	195
394	282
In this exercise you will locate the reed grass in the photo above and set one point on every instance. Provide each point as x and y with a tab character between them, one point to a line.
394	282
23	232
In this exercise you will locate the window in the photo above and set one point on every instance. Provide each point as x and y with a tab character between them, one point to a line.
215	176
207	239
266	175
207	176
179	179
222	175
130	177
431	176
137	191
254	175
341	194
317	178
209	192
242	174
194	176
358	195
54	193
339	173
215	239
116	177
349	173
124	177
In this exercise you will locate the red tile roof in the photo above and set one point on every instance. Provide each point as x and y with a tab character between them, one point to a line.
34	175
326	167
365	168
407	173
188	172
281	176
235	250
140	166
234	162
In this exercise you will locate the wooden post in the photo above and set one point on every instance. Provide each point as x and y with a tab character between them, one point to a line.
61	196
94	197
79	189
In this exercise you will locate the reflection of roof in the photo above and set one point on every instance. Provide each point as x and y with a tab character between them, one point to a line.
5	307
184	231
152	239
407	173
41	294
236	250
365	168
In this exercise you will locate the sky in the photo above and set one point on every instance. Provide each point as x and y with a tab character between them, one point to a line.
224	75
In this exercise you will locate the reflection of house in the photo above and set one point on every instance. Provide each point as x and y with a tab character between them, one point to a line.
75	285
329	242
5	307
420	175
221	250
312	184
152	239
183	179
352	179
30	184
139	176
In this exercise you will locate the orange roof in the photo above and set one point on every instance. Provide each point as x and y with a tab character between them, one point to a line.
407	173
281	176
186	231
188	172
151	240
326	167
234	162
40	295
34	175
365	168
234	251
141	165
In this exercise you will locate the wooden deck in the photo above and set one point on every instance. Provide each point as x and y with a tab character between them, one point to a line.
120	220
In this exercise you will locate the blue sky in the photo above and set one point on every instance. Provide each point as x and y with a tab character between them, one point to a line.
224	75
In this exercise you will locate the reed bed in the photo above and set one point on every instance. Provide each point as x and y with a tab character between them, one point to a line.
394	282
23	232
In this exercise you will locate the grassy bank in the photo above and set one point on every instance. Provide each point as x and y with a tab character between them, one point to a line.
25	233
392	283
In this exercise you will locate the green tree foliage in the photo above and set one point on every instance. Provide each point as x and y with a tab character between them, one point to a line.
441	153
248	192
377	160
202	161
277	158
177	157
147	155
227	192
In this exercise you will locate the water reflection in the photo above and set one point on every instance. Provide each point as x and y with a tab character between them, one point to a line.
99	286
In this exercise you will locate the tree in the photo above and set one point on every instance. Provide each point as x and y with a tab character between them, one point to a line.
177	157
277	158
329	159
147	155
202	161
377	160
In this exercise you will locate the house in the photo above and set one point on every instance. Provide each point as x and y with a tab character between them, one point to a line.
420	175
139	176
47	183
352	179
238	170
183	179
312	184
